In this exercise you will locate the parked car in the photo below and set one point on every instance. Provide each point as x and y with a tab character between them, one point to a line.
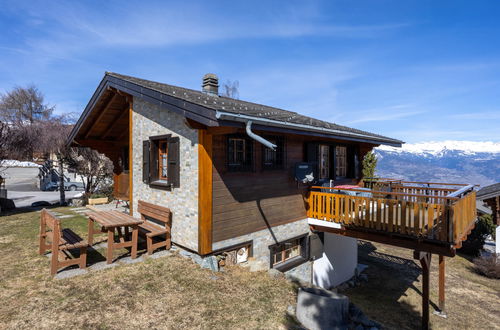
68	186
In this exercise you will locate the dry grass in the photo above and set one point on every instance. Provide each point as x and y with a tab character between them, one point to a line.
392	296
170	292
173	292
488	266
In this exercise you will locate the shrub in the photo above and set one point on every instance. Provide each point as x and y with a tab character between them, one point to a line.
475	241
488	266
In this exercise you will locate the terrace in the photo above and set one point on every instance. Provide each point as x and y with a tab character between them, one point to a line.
427	217
421	215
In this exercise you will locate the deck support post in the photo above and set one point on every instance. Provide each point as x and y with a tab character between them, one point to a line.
425	262
441	283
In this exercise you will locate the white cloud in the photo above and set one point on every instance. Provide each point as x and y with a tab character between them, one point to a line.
68	28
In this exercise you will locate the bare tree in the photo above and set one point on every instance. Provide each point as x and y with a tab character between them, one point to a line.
93	167
24	105
22	109
231	89
4	140
52	137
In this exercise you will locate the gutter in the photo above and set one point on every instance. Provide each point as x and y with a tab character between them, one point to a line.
258	138
271	122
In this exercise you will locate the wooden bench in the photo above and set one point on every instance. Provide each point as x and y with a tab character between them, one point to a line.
151	230
59	242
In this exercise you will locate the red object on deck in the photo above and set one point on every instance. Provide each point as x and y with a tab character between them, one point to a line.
347	186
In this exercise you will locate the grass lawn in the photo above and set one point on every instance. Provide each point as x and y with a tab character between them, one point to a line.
392	295
169	292
174	292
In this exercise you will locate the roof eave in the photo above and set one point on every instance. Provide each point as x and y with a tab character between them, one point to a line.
302	127
193	111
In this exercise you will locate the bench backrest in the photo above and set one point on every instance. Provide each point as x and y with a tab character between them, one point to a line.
159	213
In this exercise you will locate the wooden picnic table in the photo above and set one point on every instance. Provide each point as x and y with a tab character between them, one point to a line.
111	220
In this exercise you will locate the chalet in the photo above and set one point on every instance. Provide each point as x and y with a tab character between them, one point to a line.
281	187
488	202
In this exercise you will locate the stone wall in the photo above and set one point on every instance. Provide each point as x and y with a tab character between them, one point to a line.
261	240
150	120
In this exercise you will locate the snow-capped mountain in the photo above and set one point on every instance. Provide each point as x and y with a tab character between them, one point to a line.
446	161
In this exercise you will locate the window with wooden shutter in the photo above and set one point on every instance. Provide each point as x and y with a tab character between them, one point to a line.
161	161
340	162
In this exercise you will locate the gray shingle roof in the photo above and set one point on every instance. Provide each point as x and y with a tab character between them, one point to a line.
229	105
489	191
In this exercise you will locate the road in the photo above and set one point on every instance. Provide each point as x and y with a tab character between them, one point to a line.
20	178
26	198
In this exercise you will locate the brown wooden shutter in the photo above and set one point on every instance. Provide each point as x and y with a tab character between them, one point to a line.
145	162
174	162
311	156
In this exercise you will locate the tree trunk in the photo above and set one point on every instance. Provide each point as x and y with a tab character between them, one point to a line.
62	193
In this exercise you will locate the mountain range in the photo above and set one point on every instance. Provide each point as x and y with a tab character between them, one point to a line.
446	161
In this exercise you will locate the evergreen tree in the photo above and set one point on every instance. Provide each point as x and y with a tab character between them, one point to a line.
369	165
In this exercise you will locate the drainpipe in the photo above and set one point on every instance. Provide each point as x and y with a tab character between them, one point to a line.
258	138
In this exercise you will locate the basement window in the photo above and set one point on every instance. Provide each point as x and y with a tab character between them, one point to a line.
288	254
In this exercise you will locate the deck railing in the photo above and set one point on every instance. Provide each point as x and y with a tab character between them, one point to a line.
439	216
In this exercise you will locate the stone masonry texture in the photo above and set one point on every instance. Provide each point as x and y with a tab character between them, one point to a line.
151	120
263	239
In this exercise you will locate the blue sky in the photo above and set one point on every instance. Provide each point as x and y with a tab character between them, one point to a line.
413	70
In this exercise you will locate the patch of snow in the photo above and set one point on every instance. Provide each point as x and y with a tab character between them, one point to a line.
17	163
438	148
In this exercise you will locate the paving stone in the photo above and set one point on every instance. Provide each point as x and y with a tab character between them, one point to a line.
102	265
70	273
210	263
66	216
159	254
129	260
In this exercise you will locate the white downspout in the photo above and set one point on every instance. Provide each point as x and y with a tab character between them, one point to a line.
258	138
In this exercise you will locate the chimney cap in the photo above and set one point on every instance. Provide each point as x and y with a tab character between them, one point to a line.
210	84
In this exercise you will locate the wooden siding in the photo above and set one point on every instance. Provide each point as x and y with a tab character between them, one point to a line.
245	202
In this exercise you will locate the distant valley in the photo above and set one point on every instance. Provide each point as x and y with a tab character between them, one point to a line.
448	161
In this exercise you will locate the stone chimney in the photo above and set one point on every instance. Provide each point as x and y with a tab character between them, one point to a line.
210	84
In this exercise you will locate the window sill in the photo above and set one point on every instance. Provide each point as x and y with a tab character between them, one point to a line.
160	184
289	264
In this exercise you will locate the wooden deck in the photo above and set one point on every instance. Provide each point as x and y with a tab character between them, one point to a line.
406	211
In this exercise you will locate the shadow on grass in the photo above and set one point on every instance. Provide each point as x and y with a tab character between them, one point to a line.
390	277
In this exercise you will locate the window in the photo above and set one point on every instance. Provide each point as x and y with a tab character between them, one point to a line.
324	161
161	166
274	159
288	254
286	251
239	153
340	161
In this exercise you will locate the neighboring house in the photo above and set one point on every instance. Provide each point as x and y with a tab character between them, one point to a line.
239	175
490	197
